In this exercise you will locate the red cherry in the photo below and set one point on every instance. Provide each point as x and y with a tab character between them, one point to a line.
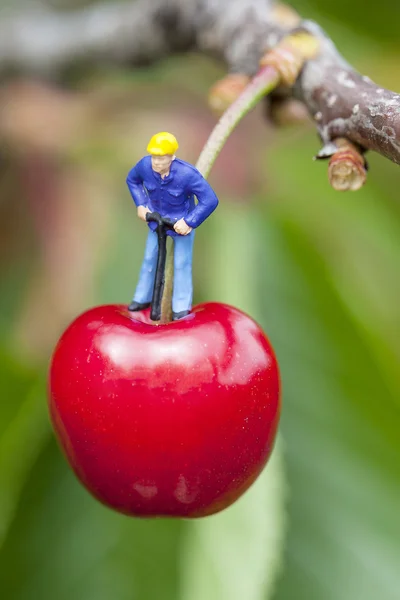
169	420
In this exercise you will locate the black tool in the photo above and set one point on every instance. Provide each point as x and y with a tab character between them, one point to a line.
163	224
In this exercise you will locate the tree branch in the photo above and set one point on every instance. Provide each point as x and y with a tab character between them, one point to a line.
343	103
347	104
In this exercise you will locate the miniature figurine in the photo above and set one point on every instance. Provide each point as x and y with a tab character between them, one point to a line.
165	186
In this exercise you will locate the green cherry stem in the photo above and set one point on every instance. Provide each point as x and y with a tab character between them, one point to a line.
262	84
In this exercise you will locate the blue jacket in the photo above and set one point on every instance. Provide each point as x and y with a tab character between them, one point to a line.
173	196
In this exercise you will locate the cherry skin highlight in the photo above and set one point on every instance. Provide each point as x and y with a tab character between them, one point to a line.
165	420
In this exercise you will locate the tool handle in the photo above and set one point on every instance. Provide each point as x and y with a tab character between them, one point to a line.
168	223
157	218
162	225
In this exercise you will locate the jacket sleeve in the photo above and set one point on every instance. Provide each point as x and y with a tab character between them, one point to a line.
207	200
135	185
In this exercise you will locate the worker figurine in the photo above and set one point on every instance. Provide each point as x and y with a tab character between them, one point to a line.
167	185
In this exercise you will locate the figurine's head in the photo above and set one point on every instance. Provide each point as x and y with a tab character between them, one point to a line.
162	148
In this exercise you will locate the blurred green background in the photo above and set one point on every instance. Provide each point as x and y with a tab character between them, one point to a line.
318	269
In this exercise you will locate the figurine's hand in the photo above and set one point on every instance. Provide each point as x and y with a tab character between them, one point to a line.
182	227
142	211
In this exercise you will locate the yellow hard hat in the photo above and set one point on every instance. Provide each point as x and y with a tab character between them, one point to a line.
163	143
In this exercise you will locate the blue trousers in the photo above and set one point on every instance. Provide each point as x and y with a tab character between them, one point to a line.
183	285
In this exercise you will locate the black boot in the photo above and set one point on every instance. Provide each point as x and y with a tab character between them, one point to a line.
134	306
180	315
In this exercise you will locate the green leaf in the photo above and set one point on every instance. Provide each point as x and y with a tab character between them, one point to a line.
330	286
23	431
237	553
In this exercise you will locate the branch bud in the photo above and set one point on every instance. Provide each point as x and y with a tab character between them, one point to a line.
287	111
226	91
347	167
289	56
